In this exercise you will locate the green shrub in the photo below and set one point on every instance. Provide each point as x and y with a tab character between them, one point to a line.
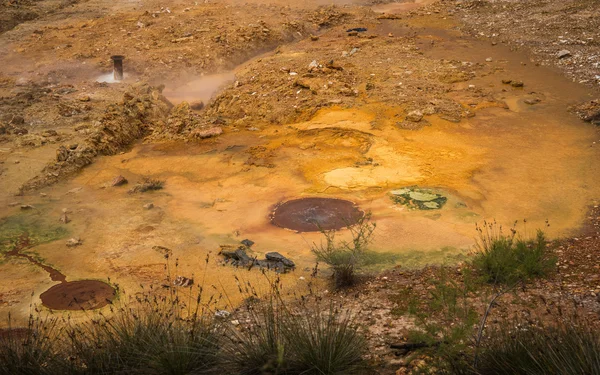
346	257
565	348
507	260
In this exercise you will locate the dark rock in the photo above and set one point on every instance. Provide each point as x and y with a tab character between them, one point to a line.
275	256
197	106
357	29
239	258
247	243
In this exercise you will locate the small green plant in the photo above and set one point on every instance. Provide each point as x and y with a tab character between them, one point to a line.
570	348
346	257
445	322
507	259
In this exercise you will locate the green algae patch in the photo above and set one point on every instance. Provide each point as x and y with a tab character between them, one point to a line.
418	199
24	232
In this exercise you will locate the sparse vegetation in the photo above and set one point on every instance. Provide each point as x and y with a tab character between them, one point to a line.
507	259
453	318
31	350
171	332
298	338
346	257
570	348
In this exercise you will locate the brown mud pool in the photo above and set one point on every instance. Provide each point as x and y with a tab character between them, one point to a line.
78	295
315	214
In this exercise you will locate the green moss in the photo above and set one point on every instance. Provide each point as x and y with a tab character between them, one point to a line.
28	232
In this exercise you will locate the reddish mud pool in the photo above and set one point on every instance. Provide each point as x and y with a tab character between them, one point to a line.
314	214
78	295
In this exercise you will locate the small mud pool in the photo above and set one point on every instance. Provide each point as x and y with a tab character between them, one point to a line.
78	295
314	214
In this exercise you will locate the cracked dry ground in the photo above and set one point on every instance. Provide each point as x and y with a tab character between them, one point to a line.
300	107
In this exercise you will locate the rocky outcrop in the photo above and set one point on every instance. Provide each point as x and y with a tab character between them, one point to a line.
120	126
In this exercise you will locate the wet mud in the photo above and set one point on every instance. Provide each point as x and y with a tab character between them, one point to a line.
78	295
315	214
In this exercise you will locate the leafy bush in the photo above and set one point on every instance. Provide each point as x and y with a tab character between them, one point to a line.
506	259
570	348
345	257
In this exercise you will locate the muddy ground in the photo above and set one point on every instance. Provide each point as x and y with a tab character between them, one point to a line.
472	100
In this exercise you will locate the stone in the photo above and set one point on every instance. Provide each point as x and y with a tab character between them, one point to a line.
275	256
183	281
72	242
27	207
414	116
208	133
64	218
517	84
563	54
247	243
333	65
222	314
148	206
197	106
119	181
62	154
489	59
239	258
532	101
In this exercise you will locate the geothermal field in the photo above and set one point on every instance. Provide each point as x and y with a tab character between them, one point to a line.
216	143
